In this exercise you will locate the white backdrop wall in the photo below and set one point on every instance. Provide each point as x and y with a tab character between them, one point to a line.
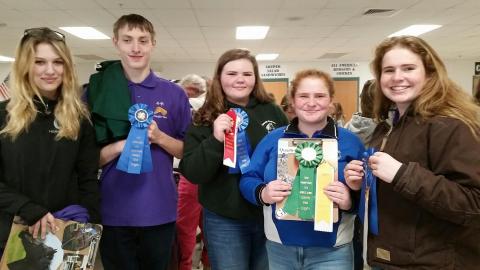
461	71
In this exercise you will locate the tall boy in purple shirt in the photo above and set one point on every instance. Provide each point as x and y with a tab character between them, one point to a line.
139	210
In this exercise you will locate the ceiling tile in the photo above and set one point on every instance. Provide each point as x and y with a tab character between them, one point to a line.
175	17
166	43
193	43
301	30
73	4
185	32
123	4
90	17
168	4
27	5
217	33
304	4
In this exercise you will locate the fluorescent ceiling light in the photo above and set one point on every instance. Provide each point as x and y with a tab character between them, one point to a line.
85	32
416	30
266	56
6	59
252	32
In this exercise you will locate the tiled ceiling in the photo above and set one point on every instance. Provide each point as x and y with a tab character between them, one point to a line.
301	30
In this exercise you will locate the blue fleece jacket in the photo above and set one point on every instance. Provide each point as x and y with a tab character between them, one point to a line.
263	169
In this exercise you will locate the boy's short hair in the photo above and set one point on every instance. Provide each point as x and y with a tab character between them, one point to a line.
133	21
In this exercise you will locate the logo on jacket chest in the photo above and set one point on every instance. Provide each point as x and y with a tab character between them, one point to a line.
269	125
56	127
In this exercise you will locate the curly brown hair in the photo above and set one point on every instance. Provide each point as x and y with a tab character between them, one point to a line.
215	100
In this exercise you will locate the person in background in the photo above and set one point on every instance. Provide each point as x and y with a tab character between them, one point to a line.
287	108
295	244
336	112
48	152
138	210
426	164
362	123
233	228
477	94
189	210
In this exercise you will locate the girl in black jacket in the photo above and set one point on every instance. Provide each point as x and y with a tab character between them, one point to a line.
48	154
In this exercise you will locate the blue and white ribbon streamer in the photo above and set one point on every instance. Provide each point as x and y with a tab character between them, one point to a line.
243	146
136	157
370	183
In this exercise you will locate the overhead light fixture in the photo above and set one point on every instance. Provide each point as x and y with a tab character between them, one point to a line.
85	32
266	56
416	30
6	59
252	32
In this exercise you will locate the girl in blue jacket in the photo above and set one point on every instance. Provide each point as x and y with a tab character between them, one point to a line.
295	244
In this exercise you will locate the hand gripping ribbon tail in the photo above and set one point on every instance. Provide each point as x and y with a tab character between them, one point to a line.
243	150
136	157
368	211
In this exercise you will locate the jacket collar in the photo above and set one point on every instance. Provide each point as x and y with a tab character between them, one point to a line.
148	82
396	119
46	107
252	102
330	130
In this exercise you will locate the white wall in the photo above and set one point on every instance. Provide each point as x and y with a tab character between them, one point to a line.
4	70
460	71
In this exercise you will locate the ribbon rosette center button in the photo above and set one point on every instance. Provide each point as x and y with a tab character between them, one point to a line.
141	115
309	154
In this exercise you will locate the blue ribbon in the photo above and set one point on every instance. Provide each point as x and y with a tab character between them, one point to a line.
244	150
136	157
369	181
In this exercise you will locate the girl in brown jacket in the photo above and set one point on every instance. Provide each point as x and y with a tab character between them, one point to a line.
427	164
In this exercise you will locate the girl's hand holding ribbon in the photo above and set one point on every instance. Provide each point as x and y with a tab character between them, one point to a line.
384	166
275	191
222	124
353	174
338	193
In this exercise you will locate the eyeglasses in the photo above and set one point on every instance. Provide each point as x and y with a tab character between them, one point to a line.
44	32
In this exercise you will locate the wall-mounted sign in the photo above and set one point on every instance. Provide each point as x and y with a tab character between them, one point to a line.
344	69
477	68
272	71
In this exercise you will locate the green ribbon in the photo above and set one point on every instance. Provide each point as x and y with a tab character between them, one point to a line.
301	201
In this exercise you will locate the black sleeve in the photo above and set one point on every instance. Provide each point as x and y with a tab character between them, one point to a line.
87	170
202	155
13	202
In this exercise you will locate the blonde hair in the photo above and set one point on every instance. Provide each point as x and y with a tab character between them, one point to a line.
439	96
22	111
